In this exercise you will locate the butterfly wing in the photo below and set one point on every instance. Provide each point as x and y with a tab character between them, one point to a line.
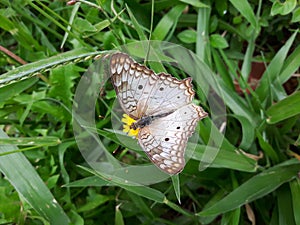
142	92
165	139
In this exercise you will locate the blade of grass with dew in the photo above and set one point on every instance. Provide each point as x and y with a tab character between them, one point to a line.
27	182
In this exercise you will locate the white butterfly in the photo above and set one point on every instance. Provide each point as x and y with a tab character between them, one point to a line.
162	108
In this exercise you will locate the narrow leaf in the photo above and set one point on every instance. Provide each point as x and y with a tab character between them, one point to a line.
256	187
167	22
29	185
286	108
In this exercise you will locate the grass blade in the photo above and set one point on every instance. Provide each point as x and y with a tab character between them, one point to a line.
29	185
286	108
167	22
31	69
245	9
256	187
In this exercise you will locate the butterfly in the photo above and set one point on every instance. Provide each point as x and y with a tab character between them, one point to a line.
159	108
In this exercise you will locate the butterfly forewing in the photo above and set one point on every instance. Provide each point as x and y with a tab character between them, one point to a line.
142	92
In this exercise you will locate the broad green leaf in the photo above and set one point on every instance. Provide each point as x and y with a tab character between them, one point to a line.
28	101
10	206
217	41
29	185
296	15
188	36
84	25
286	108
256	187
48	107
62	82
283	7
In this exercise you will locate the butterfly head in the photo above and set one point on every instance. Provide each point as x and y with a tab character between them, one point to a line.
127	126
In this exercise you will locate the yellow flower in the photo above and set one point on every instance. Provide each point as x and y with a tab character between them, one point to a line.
127	120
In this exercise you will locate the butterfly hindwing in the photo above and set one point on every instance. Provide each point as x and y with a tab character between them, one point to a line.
165	139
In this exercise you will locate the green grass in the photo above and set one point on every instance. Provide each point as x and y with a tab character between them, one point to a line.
255	173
